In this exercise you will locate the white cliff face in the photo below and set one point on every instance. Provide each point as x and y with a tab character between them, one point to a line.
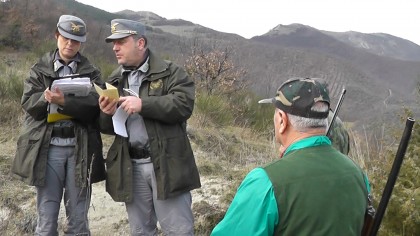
376	43
380	44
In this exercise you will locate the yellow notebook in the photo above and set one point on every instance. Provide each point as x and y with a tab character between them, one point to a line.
57	116
53	114
110	91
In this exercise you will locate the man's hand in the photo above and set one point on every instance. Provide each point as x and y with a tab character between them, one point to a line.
107	105
131	104
55	96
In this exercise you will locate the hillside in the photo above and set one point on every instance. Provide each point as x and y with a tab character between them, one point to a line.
229	134
391	72
383	73
370	76
380	44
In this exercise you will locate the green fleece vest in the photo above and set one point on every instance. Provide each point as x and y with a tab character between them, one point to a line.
319	191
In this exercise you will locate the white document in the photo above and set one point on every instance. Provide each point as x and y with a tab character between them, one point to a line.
69	86
73	86
118	120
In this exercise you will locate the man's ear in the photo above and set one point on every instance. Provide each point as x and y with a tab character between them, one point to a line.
283	121
141	43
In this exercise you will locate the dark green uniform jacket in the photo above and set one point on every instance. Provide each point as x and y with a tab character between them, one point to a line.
167	95
30	161
338	135
319	191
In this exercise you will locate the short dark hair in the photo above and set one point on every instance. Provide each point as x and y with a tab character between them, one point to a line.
139	36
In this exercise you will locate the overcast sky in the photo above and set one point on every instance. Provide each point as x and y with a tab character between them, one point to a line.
248	18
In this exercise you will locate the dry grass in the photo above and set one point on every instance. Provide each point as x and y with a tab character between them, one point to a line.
224	156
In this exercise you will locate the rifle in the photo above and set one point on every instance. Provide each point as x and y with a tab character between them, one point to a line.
337	108
372	222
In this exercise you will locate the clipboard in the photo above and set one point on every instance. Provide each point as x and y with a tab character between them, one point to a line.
68	85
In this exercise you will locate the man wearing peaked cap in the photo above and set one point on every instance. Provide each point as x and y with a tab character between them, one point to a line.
121	28
152	168
297	96
338	135
65	152
313	189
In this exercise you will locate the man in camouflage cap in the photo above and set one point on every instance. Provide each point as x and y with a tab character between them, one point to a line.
313	189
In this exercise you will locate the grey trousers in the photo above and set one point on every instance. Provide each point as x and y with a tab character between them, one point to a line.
174	215
60	178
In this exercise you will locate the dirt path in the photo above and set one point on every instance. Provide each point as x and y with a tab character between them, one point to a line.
107	217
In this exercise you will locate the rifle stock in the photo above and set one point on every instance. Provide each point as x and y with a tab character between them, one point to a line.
369	217
373	221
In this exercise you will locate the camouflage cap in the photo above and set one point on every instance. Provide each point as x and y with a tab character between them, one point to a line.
72	27
296	96
121	28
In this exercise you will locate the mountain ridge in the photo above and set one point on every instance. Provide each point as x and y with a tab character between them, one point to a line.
366	64
369	73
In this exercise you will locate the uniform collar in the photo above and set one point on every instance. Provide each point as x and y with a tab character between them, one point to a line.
309	142
59	63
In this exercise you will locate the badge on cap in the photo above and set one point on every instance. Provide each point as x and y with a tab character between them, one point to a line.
75	28
114	28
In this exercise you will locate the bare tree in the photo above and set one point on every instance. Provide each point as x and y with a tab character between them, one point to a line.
214	71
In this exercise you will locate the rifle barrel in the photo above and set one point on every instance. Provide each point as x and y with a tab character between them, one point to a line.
393	175
337	108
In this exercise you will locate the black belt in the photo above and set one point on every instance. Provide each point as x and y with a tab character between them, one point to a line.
63	132
139	153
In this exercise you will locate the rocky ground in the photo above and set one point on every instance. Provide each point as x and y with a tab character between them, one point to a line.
106	217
